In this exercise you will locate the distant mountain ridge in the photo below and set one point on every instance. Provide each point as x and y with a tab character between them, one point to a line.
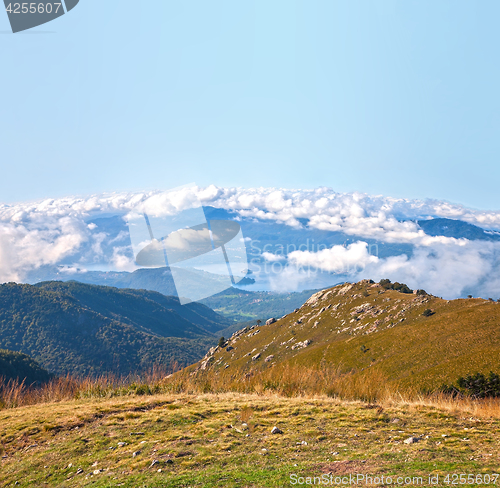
87	329
262	235
457	229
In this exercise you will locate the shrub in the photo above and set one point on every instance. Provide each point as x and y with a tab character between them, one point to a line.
480	386
386	284
427	312
222	342
401	287
421	292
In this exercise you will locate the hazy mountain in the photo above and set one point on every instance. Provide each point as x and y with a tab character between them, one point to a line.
262	236
456	229
243	305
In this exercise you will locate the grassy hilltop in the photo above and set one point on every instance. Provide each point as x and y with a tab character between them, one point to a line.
364	330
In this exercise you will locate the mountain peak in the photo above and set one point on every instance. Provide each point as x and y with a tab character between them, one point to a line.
411	337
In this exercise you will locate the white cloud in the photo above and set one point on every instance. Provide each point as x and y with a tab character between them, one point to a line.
33	234
445	269
273	258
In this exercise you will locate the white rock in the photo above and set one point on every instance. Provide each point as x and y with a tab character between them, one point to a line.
411	440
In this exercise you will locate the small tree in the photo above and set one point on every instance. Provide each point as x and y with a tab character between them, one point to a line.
222	341
469	296
385	283
259	322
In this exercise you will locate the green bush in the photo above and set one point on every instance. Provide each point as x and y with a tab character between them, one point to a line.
476	386
386	284
427	312
401	287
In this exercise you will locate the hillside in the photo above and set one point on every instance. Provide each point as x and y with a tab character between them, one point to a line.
140	306
364	327
20	367
87	329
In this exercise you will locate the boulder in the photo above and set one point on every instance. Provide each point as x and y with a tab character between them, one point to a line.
411	440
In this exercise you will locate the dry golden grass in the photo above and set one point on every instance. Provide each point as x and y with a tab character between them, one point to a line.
198	440
285	381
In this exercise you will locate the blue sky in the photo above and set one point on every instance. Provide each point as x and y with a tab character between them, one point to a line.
385	97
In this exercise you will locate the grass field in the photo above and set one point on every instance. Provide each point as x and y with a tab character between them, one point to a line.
225	440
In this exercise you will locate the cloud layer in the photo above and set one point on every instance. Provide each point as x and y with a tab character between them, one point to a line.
59	231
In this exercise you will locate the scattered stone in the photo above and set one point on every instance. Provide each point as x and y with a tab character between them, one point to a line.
206	362
159	471
136	453
276	430
95	464
335	453
121	444
70	465
395	421
154	463
79	471
97	471
296	310
301	345
304	443
269	358
257	356
411	440
169	461
137	433
230	348
270	321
